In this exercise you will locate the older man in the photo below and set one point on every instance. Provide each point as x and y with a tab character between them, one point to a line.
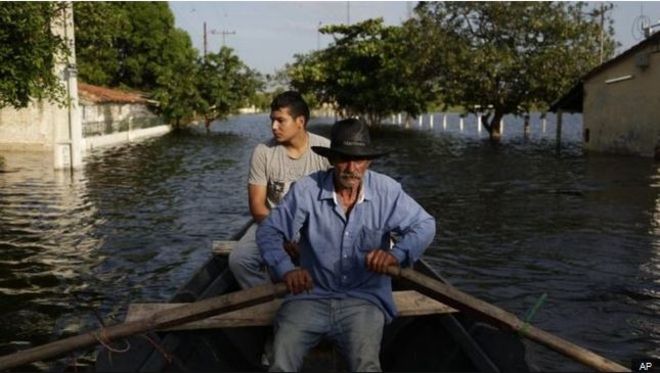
345	217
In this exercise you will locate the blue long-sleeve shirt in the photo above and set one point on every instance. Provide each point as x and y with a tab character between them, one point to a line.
333	247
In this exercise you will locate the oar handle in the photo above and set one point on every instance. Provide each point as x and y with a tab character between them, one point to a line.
394	271
162	319
501	318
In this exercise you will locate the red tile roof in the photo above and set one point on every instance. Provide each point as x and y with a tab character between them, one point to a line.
96	94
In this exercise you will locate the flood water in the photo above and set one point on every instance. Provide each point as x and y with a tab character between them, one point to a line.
515	221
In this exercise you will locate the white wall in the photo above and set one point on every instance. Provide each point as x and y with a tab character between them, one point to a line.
108	118
30	128
124	137
47	126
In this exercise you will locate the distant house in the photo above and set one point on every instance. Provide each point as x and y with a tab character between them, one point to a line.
94	116
620	102
111	116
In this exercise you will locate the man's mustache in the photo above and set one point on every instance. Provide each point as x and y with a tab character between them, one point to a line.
349	175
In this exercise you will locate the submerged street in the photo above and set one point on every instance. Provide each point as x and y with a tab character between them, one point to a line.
515	222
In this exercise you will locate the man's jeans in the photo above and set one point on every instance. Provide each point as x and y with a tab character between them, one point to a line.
246	263
354	325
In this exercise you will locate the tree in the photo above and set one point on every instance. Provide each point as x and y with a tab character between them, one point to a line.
140	48
509	56
225	84
128	43
368	71
28	53
136	45
143	51
99	27
176	86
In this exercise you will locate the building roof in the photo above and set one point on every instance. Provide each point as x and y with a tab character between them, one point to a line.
572	100
97	95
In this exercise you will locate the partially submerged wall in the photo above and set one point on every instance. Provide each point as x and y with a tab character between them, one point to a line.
622	106
31	128
44	125
114	123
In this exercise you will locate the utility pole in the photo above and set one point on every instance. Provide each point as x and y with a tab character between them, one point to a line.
602	30
215	32
205	42
223	33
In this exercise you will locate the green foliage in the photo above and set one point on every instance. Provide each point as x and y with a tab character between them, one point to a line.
145	51
29	52
272	85
176	86
127	43
261	100
225	84
508	56
100	26
368	71
136	44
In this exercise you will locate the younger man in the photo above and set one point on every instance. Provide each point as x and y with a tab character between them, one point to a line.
274	165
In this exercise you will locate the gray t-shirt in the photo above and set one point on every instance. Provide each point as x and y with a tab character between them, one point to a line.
272	167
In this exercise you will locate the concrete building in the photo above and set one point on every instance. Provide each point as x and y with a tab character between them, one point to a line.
107	117
46	126
620	102
96	116
111	116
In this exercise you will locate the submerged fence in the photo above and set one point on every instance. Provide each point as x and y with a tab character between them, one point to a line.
108	127
538	125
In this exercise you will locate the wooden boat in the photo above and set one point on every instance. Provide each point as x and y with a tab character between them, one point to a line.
431	337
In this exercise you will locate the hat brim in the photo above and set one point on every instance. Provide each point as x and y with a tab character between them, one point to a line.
330	153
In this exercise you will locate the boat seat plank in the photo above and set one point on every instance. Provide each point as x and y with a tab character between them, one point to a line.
408	303
223	247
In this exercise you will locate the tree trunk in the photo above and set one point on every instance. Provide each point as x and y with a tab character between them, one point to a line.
526	129
373	119
494	128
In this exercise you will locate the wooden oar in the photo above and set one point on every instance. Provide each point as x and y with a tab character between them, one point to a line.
163	319
501	318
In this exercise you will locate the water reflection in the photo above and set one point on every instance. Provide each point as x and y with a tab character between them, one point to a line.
46	240
514	221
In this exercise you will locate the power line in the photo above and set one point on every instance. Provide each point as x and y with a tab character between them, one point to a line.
223	33
215	32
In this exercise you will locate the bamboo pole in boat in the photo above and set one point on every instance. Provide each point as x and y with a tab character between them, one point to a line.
162	319
501	318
